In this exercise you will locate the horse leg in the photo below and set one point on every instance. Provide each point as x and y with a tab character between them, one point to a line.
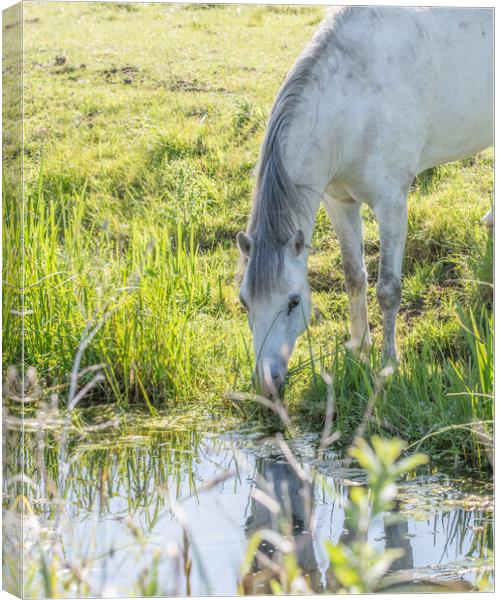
346	220
392	217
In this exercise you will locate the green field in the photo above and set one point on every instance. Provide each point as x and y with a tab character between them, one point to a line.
142	130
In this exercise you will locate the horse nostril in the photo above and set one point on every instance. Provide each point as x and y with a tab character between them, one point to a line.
276	375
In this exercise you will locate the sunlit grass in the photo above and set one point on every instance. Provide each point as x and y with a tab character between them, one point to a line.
139	158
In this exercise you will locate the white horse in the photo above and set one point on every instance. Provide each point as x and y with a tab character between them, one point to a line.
379	95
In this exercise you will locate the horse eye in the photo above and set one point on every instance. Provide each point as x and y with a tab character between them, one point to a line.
293	303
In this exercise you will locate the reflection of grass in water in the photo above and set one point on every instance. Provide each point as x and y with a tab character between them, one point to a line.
146	468
133	464
151	471
463	507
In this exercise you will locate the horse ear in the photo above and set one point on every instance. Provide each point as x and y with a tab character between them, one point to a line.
244	243
298	242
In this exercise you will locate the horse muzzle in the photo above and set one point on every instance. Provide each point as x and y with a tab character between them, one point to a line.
270	382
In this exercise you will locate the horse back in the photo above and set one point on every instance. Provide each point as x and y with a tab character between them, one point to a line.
413	83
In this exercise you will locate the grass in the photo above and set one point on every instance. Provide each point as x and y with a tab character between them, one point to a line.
142	129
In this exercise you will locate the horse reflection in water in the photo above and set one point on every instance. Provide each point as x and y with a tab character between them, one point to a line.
281	485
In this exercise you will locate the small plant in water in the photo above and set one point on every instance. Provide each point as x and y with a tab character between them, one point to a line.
357	566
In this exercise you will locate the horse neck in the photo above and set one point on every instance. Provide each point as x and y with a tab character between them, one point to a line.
309	155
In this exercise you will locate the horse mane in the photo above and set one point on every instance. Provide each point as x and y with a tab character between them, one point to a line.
277	200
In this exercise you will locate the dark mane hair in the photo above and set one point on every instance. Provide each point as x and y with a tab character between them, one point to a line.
277	200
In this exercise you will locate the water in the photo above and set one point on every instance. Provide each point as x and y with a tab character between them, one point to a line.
190	502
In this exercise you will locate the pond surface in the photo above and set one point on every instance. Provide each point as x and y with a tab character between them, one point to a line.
178	509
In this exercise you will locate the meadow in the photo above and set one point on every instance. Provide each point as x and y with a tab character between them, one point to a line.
142	130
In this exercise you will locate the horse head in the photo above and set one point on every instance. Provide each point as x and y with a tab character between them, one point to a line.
275	293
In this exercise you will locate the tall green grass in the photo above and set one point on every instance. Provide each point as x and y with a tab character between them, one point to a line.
154	298
440	399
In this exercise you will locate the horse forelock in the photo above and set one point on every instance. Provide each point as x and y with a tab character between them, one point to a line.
265	270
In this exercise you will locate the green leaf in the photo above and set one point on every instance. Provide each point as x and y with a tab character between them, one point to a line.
410	463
